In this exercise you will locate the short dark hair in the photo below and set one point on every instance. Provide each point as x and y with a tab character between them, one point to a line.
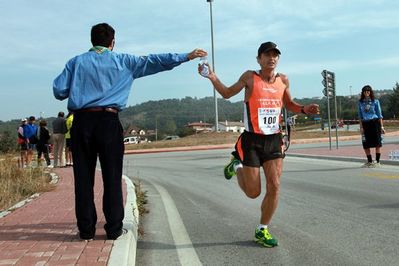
102	35
43	123
61	114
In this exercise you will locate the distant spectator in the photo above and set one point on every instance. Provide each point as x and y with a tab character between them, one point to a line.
371	126
30	131
42	143
68	152
59	130
23	143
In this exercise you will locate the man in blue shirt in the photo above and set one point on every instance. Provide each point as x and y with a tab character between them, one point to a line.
30	131
97	84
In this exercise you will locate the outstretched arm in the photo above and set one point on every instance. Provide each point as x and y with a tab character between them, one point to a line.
225	91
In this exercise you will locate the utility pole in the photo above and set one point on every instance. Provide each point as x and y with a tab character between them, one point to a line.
213	67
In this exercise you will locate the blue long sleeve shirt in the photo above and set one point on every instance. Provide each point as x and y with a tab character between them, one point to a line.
104	79
369	110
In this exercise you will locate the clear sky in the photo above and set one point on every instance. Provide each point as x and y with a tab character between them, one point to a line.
357	39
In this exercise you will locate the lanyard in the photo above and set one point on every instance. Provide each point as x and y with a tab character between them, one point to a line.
99	49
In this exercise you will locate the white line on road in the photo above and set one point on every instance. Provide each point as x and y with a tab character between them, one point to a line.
184	246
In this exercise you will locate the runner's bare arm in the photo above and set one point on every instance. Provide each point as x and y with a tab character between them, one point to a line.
294	106
225	91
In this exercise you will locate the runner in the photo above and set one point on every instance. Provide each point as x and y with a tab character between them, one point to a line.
266	92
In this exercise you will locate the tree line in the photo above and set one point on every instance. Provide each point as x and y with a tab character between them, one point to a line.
170	116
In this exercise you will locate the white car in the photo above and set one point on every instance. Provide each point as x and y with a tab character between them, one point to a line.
131	140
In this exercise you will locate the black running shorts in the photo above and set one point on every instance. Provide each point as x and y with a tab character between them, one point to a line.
254	149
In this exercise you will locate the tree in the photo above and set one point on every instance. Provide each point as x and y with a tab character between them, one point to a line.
394	102
7	142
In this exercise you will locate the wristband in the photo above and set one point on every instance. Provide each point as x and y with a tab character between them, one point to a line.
303	110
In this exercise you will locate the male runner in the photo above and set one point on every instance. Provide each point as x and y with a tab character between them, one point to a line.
266	92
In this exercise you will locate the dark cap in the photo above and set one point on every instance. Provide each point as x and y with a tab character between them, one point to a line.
32	118
267	46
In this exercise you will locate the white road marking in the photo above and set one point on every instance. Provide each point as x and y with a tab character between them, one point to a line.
184	246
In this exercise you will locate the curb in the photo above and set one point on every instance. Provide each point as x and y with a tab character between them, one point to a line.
124	250
339	158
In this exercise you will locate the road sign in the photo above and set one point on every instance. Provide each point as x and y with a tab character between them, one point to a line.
328	83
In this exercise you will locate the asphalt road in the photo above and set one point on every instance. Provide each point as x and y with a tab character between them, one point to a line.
330	213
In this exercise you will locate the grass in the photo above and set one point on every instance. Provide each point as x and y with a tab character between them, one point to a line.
141	198
18	183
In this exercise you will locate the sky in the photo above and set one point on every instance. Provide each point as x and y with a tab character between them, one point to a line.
357	40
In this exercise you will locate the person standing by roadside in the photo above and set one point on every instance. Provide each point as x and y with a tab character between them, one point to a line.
23	143
30	131
371	125
68	151
261	144
59	130
97	84
42	143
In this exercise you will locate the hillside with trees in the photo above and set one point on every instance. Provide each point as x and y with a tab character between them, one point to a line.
170	116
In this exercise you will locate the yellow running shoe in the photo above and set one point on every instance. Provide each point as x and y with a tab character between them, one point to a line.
263	237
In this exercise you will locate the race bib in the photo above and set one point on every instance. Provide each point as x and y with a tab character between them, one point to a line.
268	120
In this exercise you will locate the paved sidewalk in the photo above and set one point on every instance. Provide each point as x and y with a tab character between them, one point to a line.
43	232
346	153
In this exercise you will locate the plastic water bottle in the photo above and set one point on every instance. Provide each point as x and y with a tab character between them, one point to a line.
205	68
363	138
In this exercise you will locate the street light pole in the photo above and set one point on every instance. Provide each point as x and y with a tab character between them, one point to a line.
213	68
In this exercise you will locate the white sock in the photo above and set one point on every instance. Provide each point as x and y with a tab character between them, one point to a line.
260	226
236	166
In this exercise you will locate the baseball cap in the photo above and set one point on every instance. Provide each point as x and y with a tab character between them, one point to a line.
23	120
267	46
32	118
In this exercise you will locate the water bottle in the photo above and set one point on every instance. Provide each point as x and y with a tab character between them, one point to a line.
363	138
205	69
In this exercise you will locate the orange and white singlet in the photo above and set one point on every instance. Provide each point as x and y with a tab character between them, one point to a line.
262	112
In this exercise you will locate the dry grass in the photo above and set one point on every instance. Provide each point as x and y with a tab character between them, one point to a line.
17	183
141	198
213	138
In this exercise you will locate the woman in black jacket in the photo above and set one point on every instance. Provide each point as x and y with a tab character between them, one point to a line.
43	136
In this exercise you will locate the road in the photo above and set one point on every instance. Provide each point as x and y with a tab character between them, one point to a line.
330	213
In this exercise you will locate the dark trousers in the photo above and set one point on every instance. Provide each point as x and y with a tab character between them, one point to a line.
43	149
98	134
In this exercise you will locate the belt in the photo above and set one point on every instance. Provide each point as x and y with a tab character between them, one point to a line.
98	109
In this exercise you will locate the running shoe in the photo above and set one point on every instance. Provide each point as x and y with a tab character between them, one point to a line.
229	169
263	237
377	164
368	165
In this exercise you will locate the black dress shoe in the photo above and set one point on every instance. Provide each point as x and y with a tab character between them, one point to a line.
122	233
